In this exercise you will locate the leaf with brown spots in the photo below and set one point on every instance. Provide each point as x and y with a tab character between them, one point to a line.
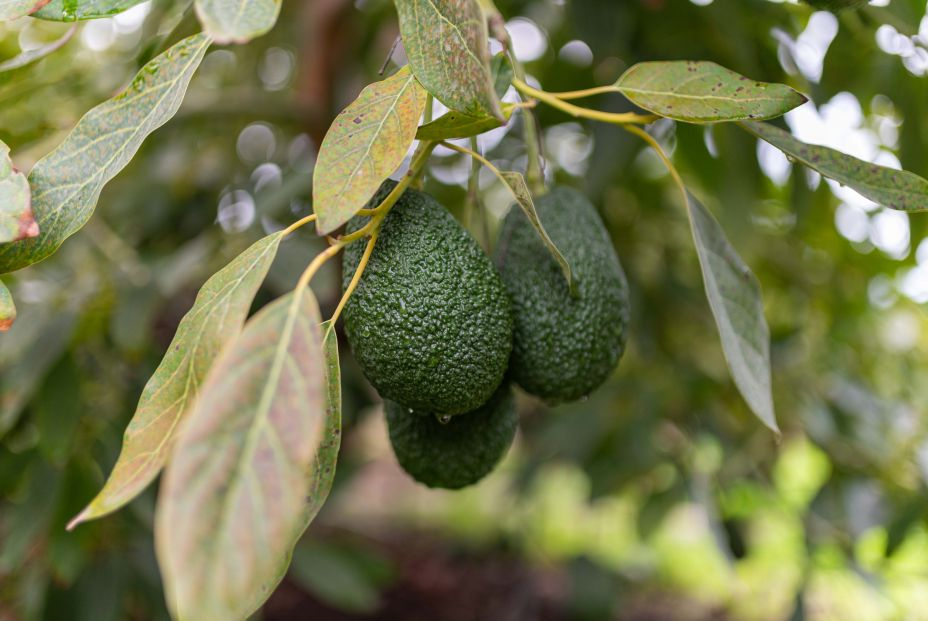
704	92
896	189
67	182
16	221
365	143
7	308
738	307
233	501
447	45
215	319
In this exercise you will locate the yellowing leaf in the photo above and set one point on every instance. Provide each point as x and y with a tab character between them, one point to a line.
215	319
233	500
896	189
7	308
704	92
67	182
237	21
447	46
77	10
365	143
737	305
16	220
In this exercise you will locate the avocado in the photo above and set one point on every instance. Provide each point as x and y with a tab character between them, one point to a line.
430	322
459	452
564	346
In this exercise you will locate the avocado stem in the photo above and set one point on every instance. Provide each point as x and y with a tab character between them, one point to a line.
377	215
310	218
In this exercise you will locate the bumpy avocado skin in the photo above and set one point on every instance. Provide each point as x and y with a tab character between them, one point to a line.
430	322
836	6
563	346
456	454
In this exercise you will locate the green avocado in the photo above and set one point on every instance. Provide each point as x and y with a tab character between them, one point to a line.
563	346
430	322
836	6
458	453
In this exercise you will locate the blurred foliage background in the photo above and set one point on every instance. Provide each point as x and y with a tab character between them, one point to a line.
659	496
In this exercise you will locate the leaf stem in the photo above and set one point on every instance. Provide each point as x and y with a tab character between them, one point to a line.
616	118
318	262
477	157
306	220
587	92
362	264
654	144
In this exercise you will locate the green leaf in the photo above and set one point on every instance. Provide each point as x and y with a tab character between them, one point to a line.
67	182
502	72
323	470
737	305
16	219
30	56
78	10
7	308
896	189
215	319
233	500
453	125
237	21
366	142
515	182
447	46
704	92
14	9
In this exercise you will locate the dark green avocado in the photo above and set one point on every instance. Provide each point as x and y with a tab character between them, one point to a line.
458	453
563	346
430	322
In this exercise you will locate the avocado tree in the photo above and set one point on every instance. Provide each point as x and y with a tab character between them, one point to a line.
243	415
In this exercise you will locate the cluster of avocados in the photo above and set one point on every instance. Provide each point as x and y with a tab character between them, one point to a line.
443	333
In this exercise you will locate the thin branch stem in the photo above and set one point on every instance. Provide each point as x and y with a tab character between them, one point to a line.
587	92
654	144
615	118
377	215
317	263
310	218
362	264
477	157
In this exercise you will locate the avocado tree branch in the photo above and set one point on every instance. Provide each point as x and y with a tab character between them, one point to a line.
616	118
